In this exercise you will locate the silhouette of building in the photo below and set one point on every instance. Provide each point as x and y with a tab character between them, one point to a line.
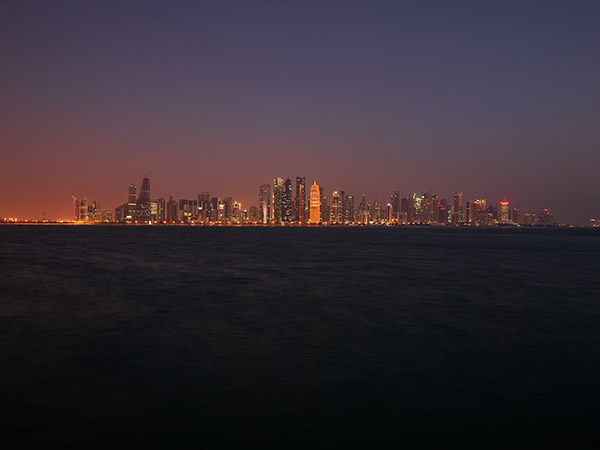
545	217
457	207
132	193
171	210
264	203
516	215
143	207
253	215
300	200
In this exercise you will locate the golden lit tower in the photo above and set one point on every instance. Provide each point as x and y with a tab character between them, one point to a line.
504	211
315	204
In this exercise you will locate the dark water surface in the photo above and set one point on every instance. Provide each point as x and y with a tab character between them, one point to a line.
233	337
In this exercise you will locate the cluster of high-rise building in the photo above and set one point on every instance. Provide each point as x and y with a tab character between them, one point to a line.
282	203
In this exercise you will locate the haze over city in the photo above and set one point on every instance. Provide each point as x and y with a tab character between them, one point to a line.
495	100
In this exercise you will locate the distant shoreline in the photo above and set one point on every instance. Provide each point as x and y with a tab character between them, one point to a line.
257	225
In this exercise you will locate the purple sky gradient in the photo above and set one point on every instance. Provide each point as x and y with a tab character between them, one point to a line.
496	99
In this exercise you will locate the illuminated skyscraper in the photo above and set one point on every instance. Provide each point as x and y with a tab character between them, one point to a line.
95	212
426	208
227	209
408	208
264	203
470	211
160	210
435	208
315	204
363	217
277	199
504	211
395	202
443	212
456	208
349	209
286	202
300	201
376	211
324	207
143	202
203	206
83	210
390	214
215	209
336	211
236	213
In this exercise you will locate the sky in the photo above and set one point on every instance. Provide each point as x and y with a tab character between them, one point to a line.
497	99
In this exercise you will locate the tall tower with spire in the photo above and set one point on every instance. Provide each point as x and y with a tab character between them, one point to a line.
143	202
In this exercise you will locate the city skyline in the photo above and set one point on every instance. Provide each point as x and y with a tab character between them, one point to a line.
281	204
312	224
495	100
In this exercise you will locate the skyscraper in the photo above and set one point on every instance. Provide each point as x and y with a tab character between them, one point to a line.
349	209
203	207
516	216
300	201
470	211
315	204
143	202
286	202
236	213
376	211
132	193
160	210
324	211
457	207
363	218
435	208
337	212
254	216
83	210
504	211
264	203
171	210
277	199
227	209
95	212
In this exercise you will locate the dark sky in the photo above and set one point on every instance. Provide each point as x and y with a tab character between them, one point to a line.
496	99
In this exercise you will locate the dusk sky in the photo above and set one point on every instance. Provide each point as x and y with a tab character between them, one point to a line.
495	99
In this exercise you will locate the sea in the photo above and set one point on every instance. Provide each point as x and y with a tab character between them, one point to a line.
288	337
